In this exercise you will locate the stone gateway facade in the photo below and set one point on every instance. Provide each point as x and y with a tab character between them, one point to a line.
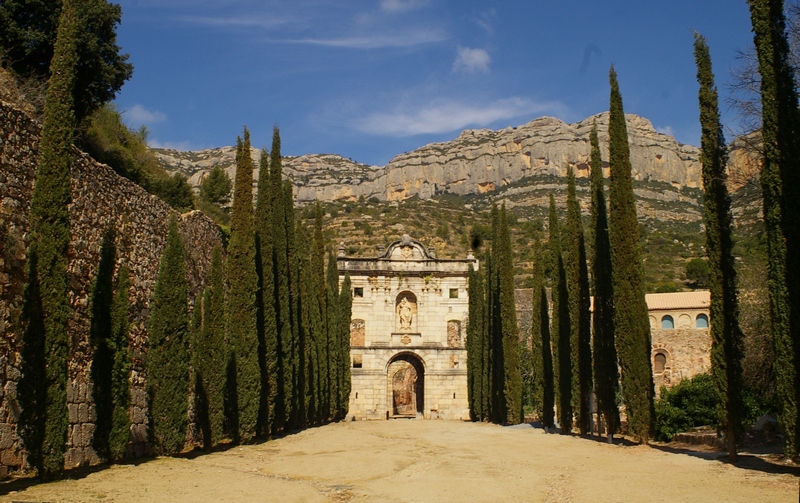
407	333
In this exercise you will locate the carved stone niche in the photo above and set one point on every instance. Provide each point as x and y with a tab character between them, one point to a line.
406	312
357	331
453	334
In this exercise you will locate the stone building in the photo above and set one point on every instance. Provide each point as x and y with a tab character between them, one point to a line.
681	339
407	333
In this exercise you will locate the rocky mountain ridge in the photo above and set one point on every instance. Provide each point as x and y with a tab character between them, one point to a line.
477	161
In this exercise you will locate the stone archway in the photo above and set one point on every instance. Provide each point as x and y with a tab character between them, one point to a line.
406	386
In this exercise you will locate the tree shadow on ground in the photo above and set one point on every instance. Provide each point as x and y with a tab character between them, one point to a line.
771	464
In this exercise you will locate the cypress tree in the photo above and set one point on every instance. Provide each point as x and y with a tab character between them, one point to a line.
167	355
781	193
496	411
335	356
197	348
631	321
474	344
298	341
242	283
562	353
211	351
100	329
44	425
512	375
319	312
267	322
544	391
606	372
120	372
727	337
487	378
344	316
285	369
579	309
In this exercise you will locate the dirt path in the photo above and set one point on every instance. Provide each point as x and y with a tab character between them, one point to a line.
409	460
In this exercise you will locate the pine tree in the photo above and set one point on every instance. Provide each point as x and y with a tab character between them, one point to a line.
542	353
344	316
562	352
606	373
100	329
727	337
781	193
242	283
579	309
44	425
120	372
167	355
336	358
631	321
512	376
267	322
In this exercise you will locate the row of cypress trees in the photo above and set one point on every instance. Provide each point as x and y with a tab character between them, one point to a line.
582	350
494	378
267	350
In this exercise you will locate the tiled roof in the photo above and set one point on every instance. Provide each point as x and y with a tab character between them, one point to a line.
700	299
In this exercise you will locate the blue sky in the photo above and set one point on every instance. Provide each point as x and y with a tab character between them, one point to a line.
371	79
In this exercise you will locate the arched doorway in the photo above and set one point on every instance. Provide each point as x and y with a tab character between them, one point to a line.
406	385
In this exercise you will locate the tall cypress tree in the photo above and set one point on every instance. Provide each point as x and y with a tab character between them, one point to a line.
167	355
211	352
319	319
579	309
727	337
298	342
120	371
631	321
285	369
265	298
497	408
343	317
487	351
100	329
537	350
242	283
562	352
512	375
780	182
543	355
336	358
474	344
606	372
44	424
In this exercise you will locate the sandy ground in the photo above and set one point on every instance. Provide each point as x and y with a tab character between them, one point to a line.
414	460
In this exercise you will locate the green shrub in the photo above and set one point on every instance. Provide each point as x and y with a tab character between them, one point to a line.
690	404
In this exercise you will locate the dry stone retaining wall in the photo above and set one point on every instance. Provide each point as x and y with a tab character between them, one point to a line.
101	200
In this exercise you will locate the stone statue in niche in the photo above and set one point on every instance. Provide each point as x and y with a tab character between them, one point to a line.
357	333
453	333
405	313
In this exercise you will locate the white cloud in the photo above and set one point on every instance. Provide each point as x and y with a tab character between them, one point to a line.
138	115
401	5
450	116
405	39
239	21
471	61
667	130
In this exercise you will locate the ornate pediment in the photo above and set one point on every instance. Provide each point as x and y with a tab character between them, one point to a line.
407	249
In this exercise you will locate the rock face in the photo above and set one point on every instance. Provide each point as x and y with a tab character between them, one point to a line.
478	161
101	200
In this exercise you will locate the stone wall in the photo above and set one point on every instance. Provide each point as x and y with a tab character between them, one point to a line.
101	200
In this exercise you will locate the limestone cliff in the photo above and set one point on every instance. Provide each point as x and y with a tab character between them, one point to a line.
477	161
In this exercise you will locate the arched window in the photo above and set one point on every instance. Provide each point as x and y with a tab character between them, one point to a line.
701	321
659	363
667	322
